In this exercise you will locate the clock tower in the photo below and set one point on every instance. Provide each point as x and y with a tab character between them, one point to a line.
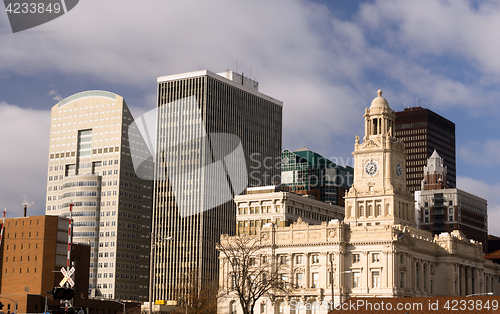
379	195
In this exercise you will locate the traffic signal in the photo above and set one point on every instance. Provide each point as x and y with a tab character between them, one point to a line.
61	293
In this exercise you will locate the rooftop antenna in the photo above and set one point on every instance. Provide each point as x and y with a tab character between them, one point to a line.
250	76
236	65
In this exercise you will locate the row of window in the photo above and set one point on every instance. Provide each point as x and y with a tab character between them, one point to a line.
20	258
21	270
95	151
257	210
22	236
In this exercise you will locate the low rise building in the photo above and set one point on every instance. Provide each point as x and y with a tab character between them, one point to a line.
266	204
32	253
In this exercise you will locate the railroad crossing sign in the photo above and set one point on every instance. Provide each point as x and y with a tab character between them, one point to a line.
67	277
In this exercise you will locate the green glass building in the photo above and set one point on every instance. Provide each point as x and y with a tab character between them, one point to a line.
306	172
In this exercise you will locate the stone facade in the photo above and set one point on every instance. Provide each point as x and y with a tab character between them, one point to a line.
261	205
377	251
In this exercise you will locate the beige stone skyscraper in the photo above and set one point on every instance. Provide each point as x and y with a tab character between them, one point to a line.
90	166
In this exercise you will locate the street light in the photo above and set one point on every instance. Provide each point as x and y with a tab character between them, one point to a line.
332	281
477	294
116	302
153	245
46	308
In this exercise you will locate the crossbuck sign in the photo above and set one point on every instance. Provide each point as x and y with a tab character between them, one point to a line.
67	277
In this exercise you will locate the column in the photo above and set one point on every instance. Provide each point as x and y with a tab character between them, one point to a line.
469	280
462	280
307	283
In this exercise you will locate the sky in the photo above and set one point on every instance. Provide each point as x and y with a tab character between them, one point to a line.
324	59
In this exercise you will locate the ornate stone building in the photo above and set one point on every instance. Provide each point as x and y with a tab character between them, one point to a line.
377	251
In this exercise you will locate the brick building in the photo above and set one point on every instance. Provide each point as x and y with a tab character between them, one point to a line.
32	252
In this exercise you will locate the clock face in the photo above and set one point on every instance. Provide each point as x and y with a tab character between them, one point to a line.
371	168
399	170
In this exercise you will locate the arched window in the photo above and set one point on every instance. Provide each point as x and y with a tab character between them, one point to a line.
370	210
379	210
361	211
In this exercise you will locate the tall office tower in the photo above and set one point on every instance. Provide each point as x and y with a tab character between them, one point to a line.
216	134
306	172
90	167
423	131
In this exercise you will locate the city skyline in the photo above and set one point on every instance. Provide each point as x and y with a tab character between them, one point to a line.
323	60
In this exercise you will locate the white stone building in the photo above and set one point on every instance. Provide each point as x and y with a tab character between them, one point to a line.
268	204
377	251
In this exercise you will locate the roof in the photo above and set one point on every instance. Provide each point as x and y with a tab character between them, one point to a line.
434	305
493	255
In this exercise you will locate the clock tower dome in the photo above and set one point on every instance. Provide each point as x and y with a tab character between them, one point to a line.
379	195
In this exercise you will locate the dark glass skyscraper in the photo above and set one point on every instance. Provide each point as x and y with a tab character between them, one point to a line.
423	131
216	134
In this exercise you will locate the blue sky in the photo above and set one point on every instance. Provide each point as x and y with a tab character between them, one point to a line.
324	59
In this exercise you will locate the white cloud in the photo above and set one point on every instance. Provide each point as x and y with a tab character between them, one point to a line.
57	97
488	192
23	163
485	153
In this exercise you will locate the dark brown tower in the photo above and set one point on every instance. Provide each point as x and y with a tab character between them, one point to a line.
423	131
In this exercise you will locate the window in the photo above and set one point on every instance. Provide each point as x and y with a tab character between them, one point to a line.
375	279
315	258
283	259
417	275
375	257
299	259
355	258
281	308
356	279
232	308
315	280
299	277
284	279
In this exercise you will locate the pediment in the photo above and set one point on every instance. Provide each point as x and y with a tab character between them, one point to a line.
370	144
405	239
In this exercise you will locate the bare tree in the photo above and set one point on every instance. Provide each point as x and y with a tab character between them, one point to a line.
197	301
251	270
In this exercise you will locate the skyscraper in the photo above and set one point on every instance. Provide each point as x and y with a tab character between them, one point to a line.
422	131
90	171
306	172
216	133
